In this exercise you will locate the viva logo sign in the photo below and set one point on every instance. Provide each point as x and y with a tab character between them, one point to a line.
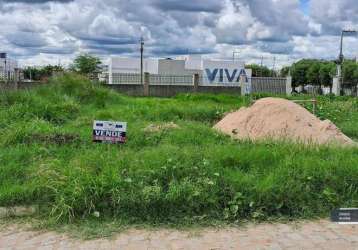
233	76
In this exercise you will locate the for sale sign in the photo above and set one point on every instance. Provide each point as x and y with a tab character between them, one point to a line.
110	132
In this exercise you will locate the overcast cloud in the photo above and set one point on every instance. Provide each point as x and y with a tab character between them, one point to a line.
45	31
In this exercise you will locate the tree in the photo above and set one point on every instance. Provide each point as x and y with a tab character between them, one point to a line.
349	68
355	76
86	64
313	74
50	70
32	73
299	70
306	71
326	73
285	71
260	71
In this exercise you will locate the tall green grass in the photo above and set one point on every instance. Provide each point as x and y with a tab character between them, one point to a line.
165	176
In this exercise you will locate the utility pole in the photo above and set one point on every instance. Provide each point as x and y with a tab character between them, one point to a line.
5	72
141	59
274	65
261	65
340	59
341	56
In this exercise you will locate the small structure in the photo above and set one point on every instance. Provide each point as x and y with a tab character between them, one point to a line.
7	68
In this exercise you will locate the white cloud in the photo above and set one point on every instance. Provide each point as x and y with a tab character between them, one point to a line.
335	15
46	31
323	47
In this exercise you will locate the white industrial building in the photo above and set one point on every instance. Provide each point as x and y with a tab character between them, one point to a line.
216	70
168	66
7	66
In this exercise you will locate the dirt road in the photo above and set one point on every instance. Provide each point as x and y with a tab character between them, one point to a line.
306	235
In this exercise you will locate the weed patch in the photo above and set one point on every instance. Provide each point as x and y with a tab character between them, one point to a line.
59	139
190	173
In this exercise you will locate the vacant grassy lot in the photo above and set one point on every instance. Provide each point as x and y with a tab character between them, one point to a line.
191	172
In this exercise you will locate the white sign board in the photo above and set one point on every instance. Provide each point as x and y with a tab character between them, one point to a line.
225	73
110	132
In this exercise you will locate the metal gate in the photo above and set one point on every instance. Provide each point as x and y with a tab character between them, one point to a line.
272	85
349	89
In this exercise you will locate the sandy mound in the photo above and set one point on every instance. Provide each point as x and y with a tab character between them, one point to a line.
278	118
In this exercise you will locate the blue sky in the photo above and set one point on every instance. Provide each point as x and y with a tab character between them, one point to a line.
305	6
48	31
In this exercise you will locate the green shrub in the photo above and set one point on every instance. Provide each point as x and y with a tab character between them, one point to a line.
83	90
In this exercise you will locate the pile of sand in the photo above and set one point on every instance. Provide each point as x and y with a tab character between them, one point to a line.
276	118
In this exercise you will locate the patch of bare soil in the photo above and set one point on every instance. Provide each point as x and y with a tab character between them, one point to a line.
152	128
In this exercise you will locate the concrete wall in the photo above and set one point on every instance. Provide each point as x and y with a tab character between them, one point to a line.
168	90
166	86
336	87
220	89
153	90
171	90
128	89
21	85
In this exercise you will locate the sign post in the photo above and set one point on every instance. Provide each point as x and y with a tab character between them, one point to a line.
109	132
227	73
